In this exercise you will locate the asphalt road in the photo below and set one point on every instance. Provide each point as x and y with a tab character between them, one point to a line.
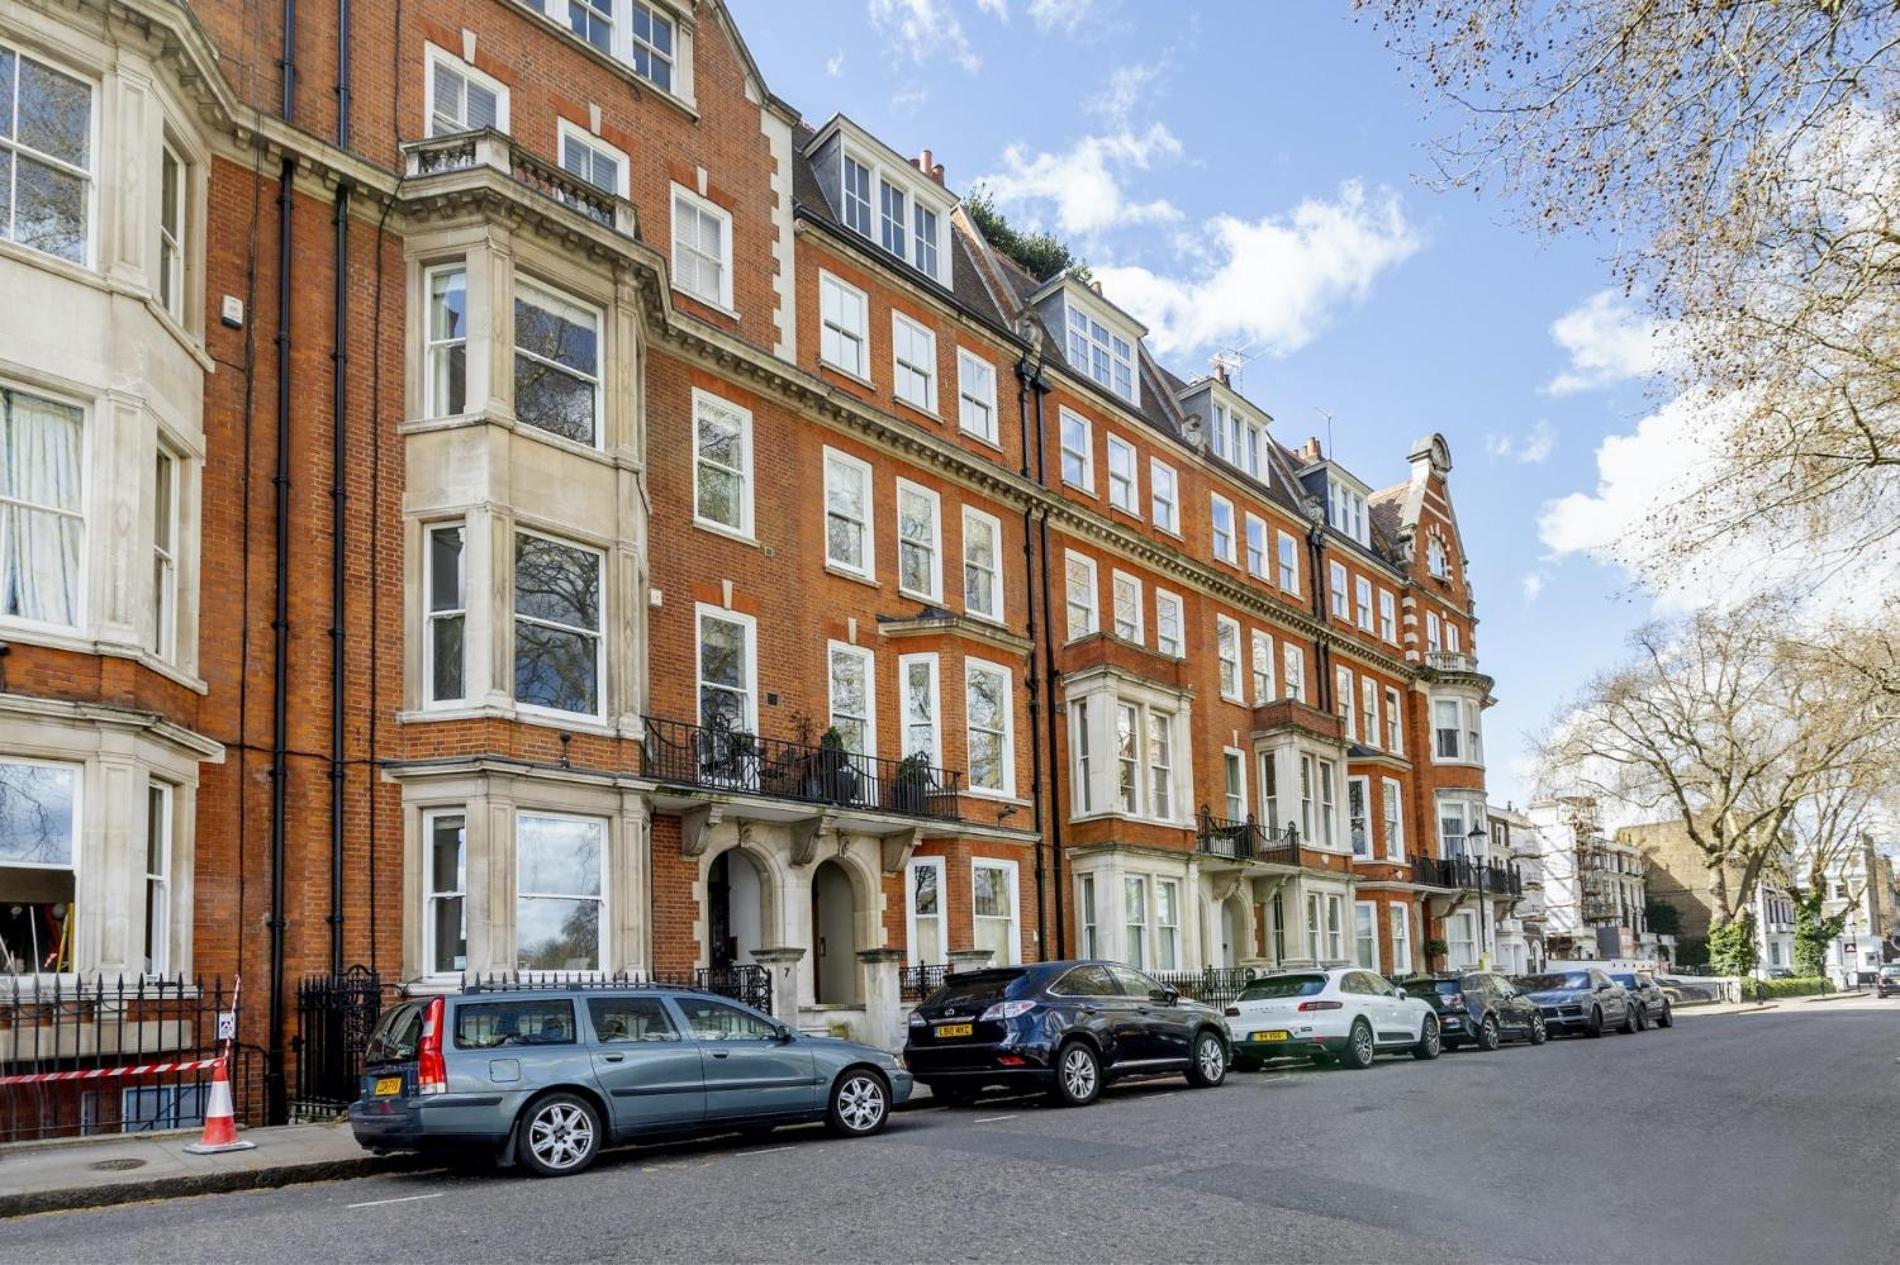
1759	1137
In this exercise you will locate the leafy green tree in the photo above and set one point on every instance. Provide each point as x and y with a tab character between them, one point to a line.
1040	253
1814	930
1732	948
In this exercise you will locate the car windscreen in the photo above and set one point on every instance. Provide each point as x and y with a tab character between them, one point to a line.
1443	987
975	986
397	1034
1561	979
1626	980
1891	970
1283	986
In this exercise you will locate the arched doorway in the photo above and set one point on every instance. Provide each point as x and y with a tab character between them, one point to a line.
834	923
1233	931
735	909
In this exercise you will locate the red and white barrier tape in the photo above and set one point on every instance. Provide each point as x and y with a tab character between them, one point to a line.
102	1073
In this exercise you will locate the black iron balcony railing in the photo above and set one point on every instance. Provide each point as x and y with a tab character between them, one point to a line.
1466	874
1246	840
914	983
719	758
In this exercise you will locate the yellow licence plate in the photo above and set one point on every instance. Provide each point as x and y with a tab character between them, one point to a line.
954	1030
1269	1036
388	1086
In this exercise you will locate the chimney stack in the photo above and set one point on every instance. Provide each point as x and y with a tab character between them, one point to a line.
929	167
1309	451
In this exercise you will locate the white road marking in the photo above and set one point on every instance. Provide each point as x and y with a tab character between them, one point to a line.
770	1150
993	1119
1268	1080
405	1199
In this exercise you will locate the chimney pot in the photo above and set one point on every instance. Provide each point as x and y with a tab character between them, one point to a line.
927	164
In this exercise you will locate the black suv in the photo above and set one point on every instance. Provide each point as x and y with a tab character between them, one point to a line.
1652	1004
1479	1008
1067	1026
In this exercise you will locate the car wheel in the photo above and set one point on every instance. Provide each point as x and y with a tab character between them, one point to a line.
1595	1026
860	1104
560	1135
1539	1033
1488	1036
1209	1066
1359	1047
1667	1019
1629	1021
1078	1076
1642	1019
1429	1044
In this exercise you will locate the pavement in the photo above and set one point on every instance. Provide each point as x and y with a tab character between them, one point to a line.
1752	1138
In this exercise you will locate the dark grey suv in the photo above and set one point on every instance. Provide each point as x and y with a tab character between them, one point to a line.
547	1077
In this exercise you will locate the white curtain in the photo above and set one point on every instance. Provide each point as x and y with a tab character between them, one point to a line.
39	548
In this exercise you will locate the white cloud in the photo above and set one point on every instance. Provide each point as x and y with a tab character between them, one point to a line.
1533	586
1534	447
1270	283
1608	341
998	9
1060	15
909	100
924	29
834	64
1084	183
1126	87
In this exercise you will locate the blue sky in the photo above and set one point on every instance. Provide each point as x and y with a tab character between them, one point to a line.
1247	175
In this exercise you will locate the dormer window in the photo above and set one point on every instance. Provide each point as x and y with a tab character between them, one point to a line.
891	224
1237	439
857	196
1101	353
884	199
1347	510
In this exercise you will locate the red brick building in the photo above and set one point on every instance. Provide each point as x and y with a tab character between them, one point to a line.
502	491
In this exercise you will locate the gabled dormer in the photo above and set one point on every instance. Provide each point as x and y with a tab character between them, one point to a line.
884	197
1344	496
1236	427
1098	339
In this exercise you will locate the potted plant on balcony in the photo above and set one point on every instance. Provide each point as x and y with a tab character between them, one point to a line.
1435	950
911	785
836	780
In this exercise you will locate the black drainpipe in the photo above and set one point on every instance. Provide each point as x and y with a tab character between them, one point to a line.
343	74
1322	653
1041	388
339	399
289	63
1033	682
274	1078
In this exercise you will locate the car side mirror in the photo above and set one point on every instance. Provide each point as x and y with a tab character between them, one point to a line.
785	1033
1603	988
1401	993
1166	996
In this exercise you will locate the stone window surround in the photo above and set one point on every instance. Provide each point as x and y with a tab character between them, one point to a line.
118	754
1102	688
1285	751
1108	867
491	798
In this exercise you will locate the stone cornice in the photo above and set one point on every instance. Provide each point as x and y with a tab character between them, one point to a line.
206	750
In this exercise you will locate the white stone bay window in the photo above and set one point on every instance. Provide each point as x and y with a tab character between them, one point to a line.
1129	745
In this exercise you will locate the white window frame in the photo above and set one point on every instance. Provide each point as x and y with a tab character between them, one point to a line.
1293	670
1086	453
1261	664
905	663
441	350
911	915
1164	600
1164	511
1370	911
599	634
1256	546
1135	932
1288	563
1362	602
1234	781
431	894
1439	755
168	519
10	505
430	615
1388	619
1070	558
920	363
530	286
1399	923
1345	701
911	189
1010	869
972	667
156	886
702	611
1338	599
1128	497
1137	632
976	396
840	335
571	133
1226	638
174	243
604	923
432	56
1083	747
867	663
1230	553
1369	708
935	500
743	530
673	61
1432	643
1392	803
1087	916
835	461
1394	721
1167	935
713	211
1363	784
994	526
1112	334
76	848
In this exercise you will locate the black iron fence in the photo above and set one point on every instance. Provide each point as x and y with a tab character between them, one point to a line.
748	984
914	983
68	1050
726	759
335	1014
1246	840
1215	986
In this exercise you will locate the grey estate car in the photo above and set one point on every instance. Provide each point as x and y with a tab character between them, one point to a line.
547	1077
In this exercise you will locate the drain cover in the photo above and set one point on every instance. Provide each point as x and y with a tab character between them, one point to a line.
116	1166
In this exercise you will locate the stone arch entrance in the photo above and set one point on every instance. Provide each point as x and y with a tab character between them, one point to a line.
1233	932
737	891
834	922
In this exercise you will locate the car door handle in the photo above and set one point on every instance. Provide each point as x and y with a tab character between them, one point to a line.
612	1058
720	1054
1088	1010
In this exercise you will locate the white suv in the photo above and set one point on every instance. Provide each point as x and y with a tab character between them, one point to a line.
1346	1013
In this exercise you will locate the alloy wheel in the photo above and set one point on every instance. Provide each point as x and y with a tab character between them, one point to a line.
1434	1042
1078	1074
561	1136
1213	1066
1362	1044
861	1103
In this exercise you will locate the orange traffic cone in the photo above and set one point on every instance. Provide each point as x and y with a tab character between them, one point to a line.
220	1119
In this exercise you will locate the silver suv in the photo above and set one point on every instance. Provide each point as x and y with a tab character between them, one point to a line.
547	1077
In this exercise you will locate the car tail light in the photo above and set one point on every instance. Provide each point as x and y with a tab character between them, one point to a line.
1322	1005
1010	1060
1006	1010
1231	1011
432	1075
1455	1001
